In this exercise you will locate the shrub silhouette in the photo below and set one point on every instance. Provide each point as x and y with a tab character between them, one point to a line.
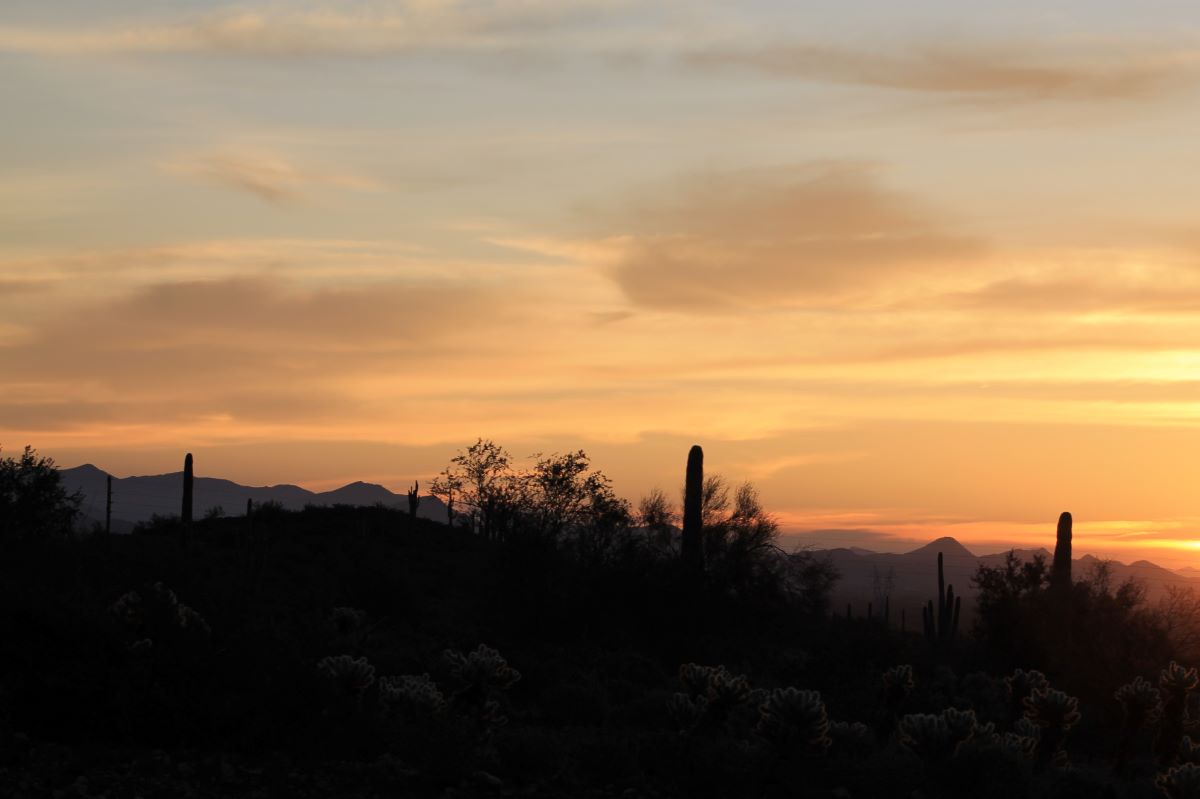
33	501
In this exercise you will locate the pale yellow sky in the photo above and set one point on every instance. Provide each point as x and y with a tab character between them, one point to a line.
914	274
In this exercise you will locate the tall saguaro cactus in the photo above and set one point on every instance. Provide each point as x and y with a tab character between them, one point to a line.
942	627
414	499
186	514
1060	574
693	520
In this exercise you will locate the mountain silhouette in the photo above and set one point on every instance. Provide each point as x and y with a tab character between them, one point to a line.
909	579
137	499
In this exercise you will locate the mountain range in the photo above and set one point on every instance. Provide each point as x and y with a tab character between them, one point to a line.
910	579
138	499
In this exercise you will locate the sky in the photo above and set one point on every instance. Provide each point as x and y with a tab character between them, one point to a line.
914	269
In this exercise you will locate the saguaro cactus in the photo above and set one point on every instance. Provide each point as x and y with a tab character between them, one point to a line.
414	499
1060	574
186	514
943	626
693	551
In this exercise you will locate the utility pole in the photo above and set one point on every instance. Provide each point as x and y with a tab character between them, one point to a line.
108	508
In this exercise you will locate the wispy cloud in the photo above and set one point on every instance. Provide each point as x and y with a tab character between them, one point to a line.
345	29
1028	73
269	176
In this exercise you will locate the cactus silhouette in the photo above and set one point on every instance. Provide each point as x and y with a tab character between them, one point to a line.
414	499
186	513
1140	707
722	691
1060	574
349	677
941	626
794	721
1175	683
1055	713
1189	751
686	711
1021	685
897	685
693	552
1181	782
410	696
934	738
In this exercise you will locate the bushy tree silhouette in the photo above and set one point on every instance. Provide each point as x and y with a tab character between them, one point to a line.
33	501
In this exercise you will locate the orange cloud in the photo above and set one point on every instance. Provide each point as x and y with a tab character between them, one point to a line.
1021	73
815	237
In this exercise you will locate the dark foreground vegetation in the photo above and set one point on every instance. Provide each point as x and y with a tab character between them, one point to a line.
555	642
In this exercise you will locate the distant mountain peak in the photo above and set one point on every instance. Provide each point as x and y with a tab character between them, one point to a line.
948	546
87	468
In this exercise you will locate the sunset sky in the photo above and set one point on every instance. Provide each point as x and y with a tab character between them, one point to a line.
915	269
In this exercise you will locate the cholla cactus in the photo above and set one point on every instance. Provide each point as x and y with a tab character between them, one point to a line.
935	737
695	678
156	612
1051	709
985	737
723	691
128	608
347	621
349	676
346	628
481	671
960	722
1055	713
410	695
1181	782
727	690
1189	751
686	712
1140	704
1174	684
794	720
1176	681
850	737
1020	685
898	683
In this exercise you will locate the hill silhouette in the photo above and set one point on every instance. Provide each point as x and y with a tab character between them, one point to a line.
909	578
138	499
